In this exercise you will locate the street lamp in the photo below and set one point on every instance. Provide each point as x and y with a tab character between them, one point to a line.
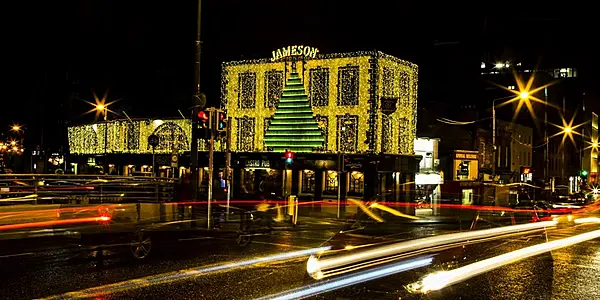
103	109
523	96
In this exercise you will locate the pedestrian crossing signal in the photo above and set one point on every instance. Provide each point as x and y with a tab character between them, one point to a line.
289	157
204	118
221	121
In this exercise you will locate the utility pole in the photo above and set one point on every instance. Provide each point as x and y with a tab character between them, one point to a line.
211	152
105	141
228	175
199	102
494	140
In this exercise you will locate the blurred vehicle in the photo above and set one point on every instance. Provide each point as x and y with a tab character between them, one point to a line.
83	214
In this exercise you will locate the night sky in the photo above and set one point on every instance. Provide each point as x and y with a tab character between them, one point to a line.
142	51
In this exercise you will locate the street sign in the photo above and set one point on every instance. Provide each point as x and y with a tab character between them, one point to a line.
153	140
174	160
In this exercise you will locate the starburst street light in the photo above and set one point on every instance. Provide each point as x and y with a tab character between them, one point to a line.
525	95
100	105
592	144
567	130
16	128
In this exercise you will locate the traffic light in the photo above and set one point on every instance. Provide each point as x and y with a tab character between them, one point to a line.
289	157
583	173
221	121
204	119
526	171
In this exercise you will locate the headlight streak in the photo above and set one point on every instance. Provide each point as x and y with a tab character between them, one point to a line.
440	280
345	281
316	265
388	259
587	220
180	275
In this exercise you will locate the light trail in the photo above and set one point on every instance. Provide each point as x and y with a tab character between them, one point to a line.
587	220
315	266
348	280
180	275
440	280
54	223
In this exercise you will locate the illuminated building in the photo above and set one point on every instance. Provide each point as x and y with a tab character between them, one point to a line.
429	179
360	105
127	144
355	97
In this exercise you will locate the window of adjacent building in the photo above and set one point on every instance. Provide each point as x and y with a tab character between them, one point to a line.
462	172
467	196
529	158
308	181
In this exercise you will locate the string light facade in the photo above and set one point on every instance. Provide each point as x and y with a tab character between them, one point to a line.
344	90
126	136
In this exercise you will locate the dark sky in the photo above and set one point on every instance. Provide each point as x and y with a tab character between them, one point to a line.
142	51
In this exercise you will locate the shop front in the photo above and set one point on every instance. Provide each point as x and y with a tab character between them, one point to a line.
319	177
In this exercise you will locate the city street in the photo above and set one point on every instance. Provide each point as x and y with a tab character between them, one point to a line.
565	274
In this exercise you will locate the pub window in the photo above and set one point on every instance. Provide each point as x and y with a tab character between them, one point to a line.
319	86
348	81
273	87
246	90
331	183
308	181
357	183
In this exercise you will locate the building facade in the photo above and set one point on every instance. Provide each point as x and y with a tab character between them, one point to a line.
363	102
350	118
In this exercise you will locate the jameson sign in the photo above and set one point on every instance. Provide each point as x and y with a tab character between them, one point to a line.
300	50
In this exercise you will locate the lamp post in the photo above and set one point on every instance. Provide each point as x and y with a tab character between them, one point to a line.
101	108
524	95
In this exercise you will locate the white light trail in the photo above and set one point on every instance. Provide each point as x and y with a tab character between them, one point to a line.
180	275
587	220
440	280
348	280
315	267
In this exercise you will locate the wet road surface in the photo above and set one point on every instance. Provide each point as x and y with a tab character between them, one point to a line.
570	273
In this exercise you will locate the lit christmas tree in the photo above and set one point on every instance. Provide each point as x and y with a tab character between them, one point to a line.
293	126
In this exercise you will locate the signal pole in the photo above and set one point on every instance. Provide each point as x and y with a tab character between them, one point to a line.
199	102
211	152
228	176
